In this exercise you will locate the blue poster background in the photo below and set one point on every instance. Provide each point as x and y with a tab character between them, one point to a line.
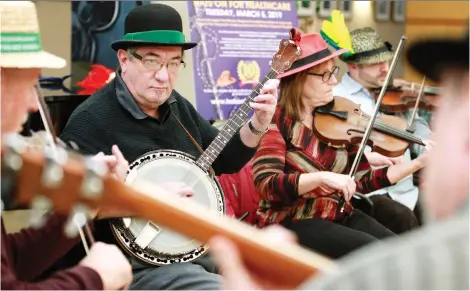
237	39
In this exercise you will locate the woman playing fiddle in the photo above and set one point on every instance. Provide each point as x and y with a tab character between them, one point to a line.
301	179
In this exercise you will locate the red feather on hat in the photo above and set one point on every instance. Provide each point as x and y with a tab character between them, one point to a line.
96	78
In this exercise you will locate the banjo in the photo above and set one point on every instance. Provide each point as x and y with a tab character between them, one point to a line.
160	246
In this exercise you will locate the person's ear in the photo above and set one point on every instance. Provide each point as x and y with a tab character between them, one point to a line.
123	58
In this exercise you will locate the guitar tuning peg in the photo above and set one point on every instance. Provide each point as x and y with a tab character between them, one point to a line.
14	142
92	184
77	219
15	146
52	172
40	205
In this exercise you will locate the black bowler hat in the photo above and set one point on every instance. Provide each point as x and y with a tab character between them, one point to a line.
430	56
153	25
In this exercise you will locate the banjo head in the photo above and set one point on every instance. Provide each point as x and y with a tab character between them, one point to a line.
155	244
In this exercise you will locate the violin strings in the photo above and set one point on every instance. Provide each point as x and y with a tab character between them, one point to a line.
399	132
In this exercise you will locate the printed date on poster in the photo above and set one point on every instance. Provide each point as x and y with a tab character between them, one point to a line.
248	9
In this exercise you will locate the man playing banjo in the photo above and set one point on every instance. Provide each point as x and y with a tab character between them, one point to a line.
140	112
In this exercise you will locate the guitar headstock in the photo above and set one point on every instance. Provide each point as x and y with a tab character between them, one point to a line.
288	52
53	179
58	181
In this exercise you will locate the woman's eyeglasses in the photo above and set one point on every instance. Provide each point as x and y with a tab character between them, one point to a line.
326	76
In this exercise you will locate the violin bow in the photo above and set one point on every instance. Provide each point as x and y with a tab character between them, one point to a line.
411	128
369	128
79	219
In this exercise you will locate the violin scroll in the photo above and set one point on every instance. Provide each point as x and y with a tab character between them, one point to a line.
402	98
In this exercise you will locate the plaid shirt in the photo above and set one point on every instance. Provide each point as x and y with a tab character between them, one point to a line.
290	149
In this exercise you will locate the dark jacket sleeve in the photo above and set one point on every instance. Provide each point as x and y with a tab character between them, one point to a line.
86	132
233	157
76	278
27	254
33	250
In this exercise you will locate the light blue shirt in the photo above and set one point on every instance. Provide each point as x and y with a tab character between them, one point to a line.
404	191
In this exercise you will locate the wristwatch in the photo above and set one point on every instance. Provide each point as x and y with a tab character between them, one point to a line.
254	130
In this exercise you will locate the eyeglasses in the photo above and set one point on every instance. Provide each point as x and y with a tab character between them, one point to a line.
326	76
152	64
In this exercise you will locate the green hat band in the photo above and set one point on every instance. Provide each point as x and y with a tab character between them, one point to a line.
20	42
157	36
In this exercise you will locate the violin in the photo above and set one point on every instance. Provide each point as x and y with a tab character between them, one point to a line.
342	122
41	180
402	98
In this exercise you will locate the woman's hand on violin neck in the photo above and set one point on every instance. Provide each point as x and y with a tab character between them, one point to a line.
423	158
339	182
397	172
378	160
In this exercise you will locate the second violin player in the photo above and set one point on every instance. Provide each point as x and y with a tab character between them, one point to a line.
367	69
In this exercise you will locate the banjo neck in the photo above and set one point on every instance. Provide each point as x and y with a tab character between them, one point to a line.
237	120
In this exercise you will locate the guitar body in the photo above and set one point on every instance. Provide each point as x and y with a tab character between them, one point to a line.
154	244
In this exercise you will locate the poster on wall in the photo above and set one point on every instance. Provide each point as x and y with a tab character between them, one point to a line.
95	26
236	41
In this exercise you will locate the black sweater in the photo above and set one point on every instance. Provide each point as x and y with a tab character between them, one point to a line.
111	116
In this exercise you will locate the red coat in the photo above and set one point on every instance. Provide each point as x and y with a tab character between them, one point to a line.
240	194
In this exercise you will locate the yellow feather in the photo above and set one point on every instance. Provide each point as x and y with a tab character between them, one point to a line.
336	33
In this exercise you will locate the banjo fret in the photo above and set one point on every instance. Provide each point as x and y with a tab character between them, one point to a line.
237	120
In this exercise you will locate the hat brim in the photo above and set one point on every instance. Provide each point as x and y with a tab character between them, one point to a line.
40	60
371	60
125	44
429	57
308	66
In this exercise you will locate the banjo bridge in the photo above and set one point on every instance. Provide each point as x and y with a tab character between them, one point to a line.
146	236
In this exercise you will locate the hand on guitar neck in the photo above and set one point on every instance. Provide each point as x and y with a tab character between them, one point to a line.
116	162
115	271
240	276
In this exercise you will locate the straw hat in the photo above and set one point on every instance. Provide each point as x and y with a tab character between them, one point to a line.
368	48
20	39
314	51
